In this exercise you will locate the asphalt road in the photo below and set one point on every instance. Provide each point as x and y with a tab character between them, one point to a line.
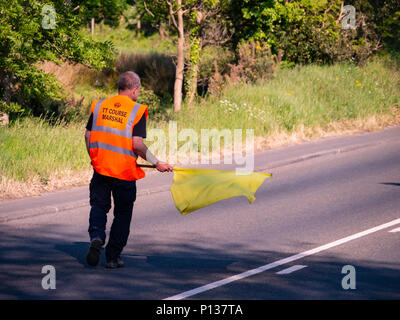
287	239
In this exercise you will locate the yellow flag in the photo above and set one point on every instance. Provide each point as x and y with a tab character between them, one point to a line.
193	189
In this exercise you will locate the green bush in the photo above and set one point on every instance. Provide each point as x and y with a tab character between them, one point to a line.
13	109
27	39
211	57
310	31
148	97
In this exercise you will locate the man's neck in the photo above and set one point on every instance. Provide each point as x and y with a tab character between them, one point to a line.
122	93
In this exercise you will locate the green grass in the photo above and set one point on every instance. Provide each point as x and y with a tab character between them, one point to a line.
127	41
310	96
32	147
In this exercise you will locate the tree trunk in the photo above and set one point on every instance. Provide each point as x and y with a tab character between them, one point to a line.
161	30
4	119
181	60
92	26
139	27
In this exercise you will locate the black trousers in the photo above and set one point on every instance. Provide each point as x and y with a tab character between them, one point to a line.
124	195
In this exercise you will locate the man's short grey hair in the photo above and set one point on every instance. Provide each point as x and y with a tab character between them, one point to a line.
128	80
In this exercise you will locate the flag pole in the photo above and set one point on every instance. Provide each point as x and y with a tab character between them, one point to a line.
145	166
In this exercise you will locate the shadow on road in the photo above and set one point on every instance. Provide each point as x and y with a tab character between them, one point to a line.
391	184
78	250
161	270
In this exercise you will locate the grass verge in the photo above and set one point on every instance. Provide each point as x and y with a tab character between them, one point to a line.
300	104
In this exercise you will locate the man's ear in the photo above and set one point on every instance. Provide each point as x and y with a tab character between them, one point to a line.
137	91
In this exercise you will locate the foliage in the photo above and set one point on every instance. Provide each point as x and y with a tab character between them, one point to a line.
148	97
385	17
203	24
299	28
126	41
312	96
214	62
107	11
310	31
194	58
153	13
256	62
28	36
304	102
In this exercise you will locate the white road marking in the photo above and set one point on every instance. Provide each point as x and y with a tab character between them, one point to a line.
395	230
269	266
291	269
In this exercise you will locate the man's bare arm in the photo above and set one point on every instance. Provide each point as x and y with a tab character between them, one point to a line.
87	140
141	149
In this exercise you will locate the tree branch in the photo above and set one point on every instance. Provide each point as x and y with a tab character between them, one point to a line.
172	15
341	15
147	9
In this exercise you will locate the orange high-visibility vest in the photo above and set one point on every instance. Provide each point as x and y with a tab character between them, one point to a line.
111	144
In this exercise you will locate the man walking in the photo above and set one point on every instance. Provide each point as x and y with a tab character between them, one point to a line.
114	140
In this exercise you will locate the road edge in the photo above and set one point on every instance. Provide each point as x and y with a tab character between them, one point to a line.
53	209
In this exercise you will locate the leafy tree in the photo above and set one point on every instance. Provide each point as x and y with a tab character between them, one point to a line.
207	26
310	30
108	11
385	17
31	33
154	13
296	27
196	23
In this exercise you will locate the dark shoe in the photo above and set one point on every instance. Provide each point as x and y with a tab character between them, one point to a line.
112	265
120	263
93	255
115	264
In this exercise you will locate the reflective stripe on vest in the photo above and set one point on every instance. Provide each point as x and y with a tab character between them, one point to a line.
102	145
127	133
